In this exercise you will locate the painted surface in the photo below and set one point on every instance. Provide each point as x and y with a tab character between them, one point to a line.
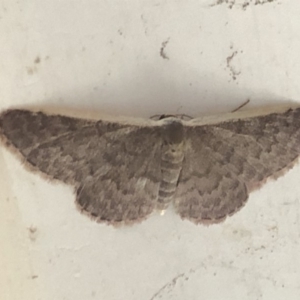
141	59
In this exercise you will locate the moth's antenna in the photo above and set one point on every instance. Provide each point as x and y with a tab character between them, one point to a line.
155	117
241	106
182	116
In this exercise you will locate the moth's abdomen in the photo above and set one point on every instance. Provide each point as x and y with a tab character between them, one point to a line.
171	164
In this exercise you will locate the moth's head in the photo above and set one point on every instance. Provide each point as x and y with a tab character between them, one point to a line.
165	116
161	117
173	131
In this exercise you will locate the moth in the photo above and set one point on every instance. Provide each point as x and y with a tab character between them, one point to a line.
123	170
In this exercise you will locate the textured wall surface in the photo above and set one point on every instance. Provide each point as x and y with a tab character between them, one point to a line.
142	58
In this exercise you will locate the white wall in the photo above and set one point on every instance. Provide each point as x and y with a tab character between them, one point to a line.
107	56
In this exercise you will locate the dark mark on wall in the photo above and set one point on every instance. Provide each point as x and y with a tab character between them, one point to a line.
162	49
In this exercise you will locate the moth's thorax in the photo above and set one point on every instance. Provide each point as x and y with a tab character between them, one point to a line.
171	161
172	130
